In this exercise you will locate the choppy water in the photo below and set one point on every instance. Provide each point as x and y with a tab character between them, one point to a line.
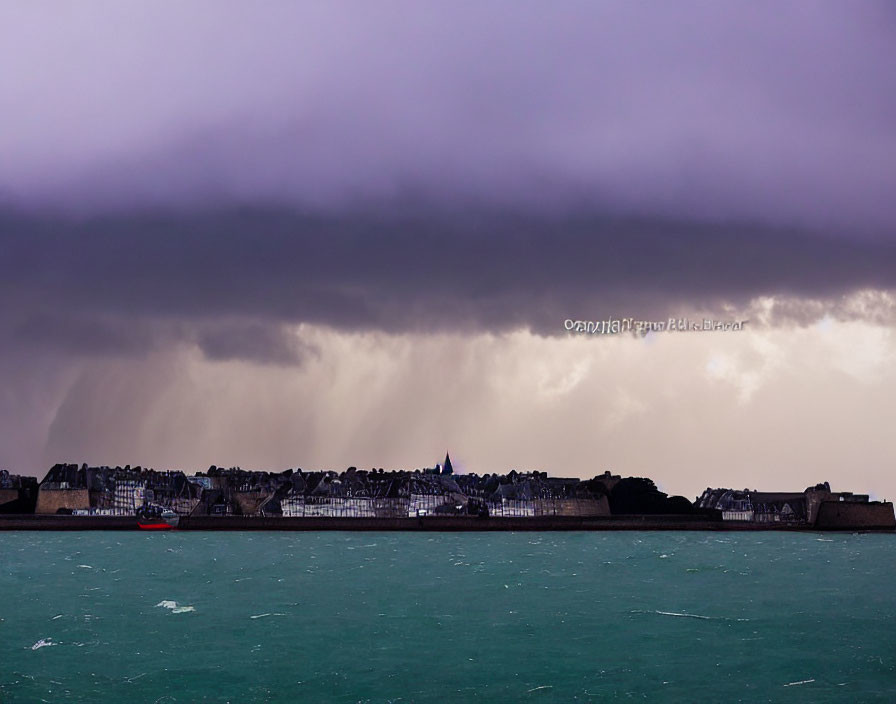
415	617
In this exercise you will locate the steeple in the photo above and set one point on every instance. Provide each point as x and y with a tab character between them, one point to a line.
446	467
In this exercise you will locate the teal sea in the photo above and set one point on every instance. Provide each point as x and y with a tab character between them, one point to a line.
462	617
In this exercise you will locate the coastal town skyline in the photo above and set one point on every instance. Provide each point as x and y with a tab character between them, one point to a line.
224	499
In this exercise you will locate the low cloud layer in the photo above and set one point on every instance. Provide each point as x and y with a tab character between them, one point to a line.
230	280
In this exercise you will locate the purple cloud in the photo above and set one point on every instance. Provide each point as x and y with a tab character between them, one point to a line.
747	111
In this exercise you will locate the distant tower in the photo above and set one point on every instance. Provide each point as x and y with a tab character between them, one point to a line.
447	468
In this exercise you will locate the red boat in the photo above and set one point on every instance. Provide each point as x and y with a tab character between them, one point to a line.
152	525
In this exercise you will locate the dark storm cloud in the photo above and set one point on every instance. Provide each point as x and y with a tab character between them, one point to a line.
185	276
172	171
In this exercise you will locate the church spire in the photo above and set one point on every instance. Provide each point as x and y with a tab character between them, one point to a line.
447	468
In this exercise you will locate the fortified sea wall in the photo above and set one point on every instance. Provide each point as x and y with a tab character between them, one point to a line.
52	500
848	515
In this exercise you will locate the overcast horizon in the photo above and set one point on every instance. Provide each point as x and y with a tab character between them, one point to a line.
320	235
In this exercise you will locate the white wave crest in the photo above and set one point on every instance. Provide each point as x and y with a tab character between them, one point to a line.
175	609
794	684
682	615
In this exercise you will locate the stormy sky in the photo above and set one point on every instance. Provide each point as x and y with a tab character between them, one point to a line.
323	234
